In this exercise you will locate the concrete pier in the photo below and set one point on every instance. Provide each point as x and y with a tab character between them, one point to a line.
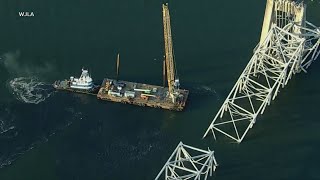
282	12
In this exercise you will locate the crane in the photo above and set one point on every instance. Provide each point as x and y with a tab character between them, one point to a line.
173	81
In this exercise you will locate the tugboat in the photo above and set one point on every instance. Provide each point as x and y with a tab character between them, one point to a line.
83	84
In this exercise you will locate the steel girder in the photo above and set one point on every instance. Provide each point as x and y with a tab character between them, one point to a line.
188	163
284	52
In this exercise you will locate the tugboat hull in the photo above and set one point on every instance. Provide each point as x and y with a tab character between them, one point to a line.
65	85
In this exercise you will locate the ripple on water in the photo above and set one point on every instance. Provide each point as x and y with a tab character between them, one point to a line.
121	152
8	130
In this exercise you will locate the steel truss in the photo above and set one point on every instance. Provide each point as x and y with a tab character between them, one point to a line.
284	52
188	163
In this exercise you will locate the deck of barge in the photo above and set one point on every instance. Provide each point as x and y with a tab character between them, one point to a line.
140	94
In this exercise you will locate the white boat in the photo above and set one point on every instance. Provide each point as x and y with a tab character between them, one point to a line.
84	82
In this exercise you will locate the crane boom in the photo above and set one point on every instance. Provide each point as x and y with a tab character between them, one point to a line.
168	48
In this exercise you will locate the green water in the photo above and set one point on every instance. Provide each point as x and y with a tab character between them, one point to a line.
70	136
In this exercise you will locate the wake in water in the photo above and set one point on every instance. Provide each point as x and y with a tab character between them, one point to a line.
6	120
26	87
30	89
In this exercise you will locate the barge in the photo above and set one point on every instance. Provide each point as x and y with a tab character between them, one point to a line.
171	97
141	94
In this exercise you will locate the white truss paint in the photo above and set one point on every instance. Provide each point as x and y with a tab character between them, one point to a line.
188	163
284	52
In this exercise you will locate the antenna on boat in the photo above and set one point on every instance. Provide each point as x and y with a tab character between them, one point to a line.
118	64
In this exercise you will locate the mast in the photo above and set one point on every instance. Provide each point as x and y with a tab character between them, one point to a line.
169	61
118	64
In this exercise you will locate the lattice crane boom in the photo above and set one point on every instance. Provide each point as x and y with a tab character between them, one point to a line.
169	61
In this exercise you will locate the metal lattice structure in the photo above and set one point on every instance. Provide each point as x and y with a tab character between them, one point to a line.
188	163
284	52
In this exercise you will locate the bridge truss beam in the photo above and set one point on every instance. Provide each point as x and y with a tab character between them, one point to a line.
188	163
284	52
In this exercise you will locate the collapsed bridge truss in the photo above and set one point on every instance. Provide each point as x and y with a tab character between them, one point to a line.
286	50
188	163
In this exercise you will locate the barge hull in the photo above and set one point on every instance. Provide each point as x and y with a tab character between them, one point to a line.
64	86
153	96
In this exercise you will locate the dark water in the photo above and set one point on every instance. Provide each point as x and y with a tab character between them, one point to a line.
52	135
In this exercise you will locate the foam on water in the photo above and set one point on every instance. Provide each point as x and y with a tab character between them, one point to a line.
30	89
6	120
204	90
